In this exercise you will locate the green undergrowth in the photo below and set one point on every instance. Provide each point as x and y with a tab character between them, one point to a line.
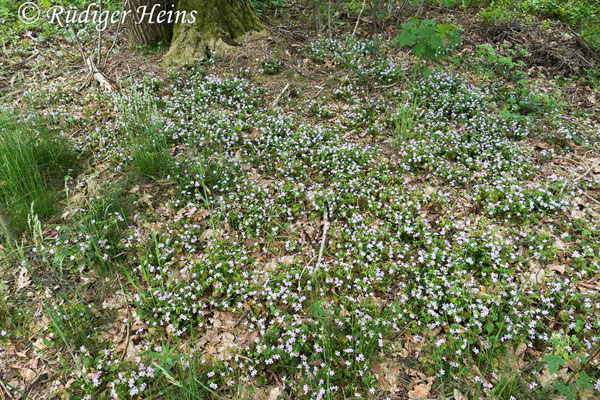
287	253
92	237
142	126
35	160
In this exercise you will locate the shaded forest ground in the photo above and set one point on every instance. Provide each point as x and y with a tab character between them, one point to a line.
313	217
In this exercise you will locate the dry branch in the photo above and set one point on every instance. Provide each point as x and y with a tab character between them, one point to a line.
280	95
97	75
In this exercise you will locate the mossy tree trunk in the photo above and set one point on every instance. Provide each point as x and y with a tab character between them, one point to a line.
218	24
143	29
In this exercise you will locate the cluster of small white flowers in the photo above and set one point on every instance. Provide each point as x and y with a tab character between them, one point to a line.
398	262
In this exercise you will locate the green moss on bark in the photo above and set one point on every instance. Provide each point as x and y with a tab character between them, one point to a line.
219	23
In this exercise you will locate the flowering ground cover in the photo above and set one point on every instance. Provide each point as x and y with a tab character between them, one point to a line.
401	235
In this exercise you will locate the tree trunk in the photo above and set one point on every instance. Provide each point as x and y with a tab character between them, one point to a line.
142	24
217	24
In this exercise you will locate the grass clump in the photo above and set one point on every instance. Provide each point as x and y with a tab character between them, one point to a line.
34	161
407	118
73	324
141	121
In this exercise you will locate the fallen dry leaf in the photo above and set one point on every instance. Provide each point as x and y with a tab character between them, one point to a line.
458	395
115	301
387	377
274	393
207	233
420	391
27	373
547	379
558	268
23	278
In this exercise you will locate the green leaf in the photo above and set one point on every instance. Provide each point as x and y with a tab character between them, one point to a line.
437	42
420	50
570	391
445	28
583	381
426	72
406	38
554	362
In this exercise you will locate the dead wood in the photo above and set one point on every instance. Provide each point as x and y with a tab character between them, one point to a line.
557	47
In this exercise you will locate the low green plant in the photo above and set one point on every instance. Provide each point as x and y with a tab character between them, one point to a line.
489	60
190	377
73	323
148	49
578	382
141	120
272	66
509	199
322	111
524	98
593	77
262	6
459	3
365	60
34	160
428	39
407	118
92	237
13	316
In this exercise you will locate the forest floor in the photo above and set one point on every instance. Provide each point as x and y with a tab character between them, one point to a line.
308	218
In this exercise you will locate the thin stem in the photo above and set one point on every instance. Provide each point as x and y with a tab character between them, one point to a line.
583	366
359	15
99	35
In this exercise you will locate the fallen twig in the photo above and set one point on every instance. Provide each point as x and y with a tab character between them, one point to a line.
359	15
590	197
93	71
115	38
281	94
24	61
5	390
304	269
321	248
323	239
97	75
579	177
34	382
126	340
319	92
241	318
588	286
